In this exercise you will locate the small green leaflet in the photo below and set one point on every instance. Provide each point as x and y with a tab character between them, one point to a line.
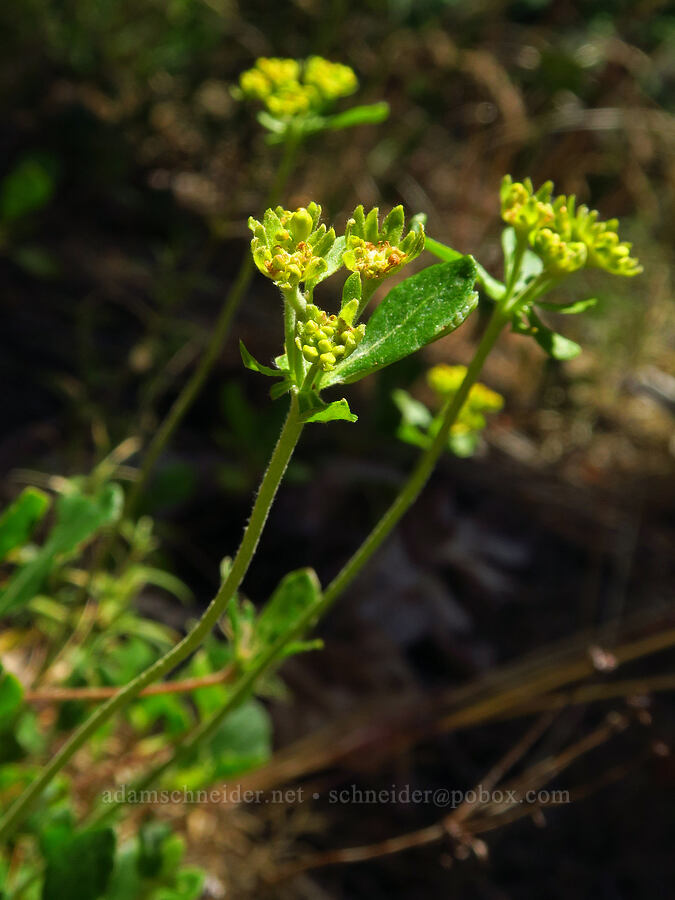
338	410
297	594
416	312
252	363
569	309
371	114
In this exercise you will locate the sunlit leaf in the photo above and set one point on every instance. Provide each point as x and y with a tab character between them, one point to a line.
416	312
332	412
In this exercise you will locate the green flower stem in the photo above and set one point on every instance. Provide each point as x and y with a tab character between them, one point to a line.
277	466
194	384
424	467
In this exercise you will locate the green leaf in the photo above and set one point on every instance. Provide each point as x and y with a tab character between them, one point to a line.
11	696
251	363
27	188
569	309
18	520
78	865
333	259
297	593
370	114
78	518
331	412
416	312
492	287
554	344
351	290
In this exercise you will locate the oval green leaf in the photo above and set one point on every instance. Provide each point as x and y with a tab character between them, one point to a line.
416	312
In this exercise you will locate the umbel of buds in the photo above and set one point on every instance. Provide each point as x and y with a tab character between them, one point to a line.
290	247
326	339
377	252
290	88
564	236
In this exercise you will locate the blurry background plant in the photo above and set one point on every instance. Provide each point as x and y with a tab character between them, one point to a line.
151	164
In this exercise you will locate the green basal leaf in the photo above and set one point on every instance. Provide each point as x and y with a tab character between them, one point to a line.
370	114
297	593
338	410
416	312
11	697
252	363
78	518
18	520
78	865
569	309
244	740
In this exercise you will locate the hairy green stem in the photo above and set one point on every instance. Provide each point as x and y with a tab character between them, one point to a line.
195	382
268	488
422	471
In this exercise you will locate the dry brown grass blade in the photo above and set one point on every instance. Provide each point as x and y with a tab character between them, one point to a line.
458	825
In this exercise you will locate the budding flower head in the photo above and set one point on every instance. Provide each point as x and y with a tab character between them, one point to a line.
604	248
376	253
291	88
559	257
326	339
446	380
564	236
290	246
524	208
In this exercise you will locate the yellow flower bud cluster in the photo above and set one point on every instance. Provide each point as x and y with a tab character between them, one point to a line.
525	209
564	236
446	380
374	252
290	246
326	339
289	88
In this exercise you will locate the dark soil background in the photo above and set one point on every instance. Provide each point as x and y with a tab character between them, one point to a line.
561	525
